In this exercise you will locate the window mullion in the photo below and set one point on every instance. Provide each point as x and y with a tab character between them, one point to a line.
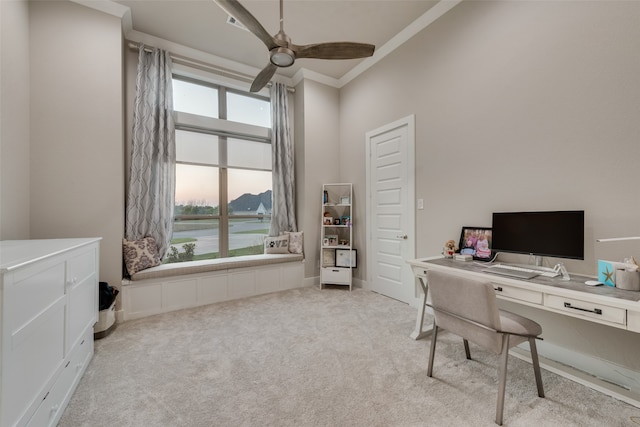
223	236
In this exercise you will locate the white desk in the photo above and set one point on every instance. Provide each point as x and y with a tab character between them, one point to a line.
601	304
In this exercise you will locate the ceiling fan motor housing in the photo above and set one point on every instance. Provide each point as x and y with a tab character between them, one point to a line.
282	56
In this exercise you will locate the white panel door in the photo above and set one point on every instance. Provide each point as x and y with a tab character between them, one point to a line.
390	209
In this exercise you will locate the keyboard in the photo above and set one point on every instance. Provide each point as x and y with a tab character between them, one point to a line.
519	272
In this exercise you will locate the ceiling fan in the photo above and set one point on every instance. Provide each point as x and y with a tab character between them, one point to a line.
283	53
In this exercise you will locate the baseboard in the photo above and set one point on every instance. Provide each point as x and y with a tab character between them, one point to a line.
612	380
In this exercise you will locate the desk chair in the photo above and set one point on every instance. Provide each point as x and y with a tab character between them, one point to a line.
468	308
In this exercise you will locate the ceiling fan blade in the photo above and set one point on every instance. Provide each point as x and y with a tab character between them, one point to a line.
263	77
334	50
235	9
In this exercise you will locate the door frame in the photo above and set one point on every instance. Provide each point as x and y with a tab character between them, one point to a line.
409	122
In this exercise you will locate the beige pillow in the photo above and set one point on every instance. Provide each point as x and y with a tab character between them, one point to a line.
276	245
140	254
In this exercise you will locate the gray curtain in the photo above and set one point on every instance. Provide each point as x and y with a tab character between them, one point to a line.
150	201
283	216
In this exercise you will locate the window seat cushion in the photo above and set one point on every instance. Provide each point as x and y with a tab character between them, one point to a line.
192	267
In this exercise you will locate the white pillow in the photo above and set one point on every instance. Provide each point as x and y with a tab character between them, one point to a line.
276	245
295	241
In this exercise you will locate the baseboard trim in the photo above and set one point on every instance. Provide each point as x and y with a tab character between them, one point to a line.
609	388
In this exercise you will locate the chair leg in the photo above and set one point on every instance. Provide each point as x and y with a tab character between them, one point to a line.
434	336
536	366
466	349
502	381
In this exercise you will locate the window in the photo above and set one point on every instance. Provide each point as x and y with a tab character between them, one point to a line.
223	172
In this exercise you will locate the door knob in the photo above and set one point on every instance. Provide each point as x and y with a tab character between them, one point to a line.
402	236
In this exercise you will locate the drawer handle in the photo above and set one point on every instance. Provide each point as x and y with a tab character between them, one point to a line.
498	289
595	310
336	271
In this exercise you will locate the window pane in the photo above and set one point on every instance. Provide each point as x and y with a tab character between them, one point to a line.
246	235
196	186
194	147
246	109
196	194
245	186
248	154
193	239
195	99
249	194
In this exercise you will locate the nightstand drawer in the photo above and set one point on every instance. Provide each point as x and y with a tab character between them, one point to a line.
336	275
591	310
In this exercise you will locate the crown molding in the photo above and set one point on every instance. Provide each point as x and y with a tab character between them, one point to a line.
399	39
110	8
123	12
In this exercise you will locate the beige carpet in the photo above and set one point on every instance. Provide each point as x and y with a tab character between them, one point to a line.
310	357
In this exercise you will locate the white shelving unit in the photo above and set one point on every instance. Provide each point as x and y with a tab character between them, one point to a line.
337	256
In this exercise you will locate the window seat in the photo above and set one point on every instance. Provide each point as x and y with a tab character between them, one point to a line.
175	286
192	267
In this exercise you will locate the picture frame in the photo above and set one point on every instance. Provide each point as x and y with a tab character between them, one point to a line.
328	258
332	238
346	258
327	220
476	241
345	200
336	221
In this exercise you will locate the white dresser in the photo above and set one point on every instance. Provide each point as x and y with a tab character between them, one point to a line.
48	306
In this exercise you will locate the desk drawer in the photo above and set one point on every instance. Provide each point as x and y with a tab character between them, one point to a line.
527	295
591	310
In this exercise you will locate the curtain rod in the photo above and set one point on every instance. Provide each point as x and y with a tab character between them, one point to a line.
204	66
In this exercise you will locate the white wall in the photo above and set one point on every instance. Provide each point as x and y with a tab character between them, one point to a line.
14	120
519	106
76	169
317	146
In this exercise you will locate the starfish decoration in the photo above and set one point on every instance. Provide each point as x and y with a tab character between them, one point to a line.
608	275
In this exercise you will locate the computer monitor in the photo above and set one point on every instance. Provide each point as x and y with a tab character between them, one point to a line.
558	234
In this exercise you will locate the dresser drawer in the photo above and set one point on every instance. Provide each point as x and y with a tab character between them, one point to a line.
82	309
81	266
32	293
578	308
56	399
527	295
335	275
